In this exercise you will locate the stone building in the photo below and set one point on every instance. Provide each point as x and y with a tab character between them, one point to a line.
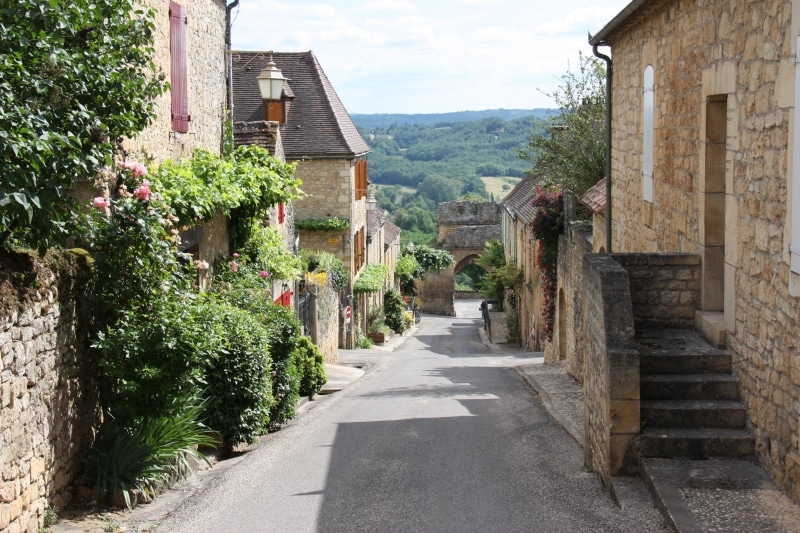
318	134
704	122
520	248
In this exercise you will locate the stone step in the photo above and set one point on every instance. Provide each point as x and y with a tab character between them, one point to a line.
697	443
679	351
682	363
692	414
689	387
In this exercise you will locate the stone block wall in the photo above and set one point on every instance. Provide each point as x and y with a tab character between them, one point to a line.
665	288
453	215
48	399
205	45
611	378
436	292
742	55
569	329
326	305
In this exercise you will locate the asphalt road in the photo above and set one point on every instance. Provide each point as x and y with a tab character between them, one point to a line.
441	435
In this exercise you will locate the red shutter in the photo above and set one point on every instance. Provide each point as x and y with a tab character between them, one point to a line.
178	76
281	213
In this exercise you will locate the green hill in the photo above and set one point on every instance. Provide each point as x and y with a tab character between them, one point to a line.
384	120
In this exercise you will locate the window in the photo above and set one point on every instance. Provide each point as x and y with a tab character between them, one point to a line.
361	179
178	78
647	133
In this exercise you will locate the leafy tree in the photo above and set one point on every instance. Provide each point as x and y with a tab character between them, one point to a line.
573	153
440	189
75	76
428	260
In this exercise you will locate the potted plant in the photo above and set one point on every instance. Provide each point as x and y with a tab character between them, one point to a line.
377	330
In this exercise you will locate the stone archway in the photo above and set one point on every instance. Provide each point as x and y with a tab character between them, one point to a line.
464	230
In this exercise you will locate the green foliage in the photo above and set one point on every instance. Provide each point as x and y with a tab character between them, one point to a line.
371	279
472	197
503	278
393	307
428	260
406	264
249	182
124	458
316	224
326	262
440	189
134	248
572	153
238	380
311	366
405	154
74	77
265	251
150	359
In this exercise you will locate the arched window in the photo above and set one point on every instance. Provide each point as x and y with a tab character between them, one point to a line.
647	133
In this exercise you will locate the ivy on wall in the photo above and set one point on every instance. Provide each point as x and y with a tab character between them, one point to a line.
315	224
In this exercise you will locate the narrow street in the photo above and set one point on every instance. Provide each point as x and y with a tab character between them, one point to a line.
439	435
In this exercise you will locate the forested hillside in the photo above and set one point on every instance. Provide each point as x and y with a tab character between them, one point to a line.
384	120
406	154
417	166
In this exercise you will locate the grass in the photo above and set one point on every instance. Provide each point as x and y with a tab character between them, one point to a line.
496	186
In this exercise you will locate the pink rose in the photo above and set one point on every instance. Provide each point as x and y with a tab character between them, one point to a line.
264	274
136	168
234	266
235	254
142	192
101	203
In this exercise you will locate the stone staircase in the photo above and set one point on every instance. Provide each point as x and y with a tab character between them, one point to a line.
690	403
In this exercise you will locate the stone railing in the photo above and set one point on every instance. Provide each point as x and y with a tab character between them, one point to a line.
611	379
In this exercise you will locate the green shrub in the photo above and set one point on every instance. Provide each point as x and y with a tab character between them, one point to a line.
152	361
393	307
317	260
311	364
238	392
124	458
283	329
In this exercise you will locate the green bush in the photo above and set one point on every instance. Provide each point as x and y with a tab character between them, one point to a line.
152	361
311	364
393	307
238	395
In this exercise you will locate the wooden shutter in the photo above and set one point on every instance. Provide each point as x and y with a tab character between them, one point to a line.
178	68
281	213
274	111
361	180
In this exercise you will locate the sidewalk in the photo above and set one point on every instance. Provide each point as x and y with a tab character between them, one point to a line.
719	495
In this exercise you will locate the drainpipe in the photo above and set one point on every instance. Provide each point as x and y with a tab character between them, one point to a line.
609	79
229	58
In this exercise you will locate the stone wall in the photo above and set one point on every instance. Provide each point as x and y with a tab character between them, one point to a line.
568	334
725	65
611	377
205	45
47	394
436	292
665	288
454	216
325	302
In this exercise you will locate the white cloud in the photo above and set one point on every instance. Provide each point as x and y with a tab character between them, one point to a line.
430	56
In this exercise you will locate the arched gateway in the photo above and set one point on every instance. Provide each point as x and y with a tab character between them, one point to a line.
464	230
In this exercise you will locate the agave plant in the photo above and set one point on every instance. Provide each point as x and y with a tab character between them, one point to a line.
125	458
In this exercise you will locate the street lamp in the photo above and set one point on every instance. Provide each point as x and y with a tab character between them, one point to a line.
410	246
270	81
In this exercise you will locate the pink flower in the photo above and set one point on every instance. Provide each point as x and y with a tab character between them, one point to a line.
202	265
136	168
234	266
235	254
264	274
142	192
101	203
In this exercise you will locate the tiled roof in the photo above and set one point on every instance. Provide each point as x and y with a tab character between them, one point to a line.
317	126
595	198
390	233
375	219
518	201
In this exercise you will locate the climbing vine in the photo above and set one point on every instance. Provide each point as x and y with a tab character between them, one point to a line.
547	225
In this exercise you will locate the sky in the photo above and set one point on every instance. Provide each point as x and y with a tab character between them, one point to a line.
431	56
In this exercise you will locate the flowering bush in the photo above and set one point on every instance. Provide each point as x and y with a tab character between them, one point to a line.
547	226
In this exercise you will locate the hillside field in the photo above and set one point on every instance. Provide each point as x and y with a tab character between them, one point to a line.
500	186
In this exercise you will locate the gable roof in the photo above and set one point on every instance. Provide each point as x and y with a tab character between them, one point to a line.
390	233
630	14
317	123
517	203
